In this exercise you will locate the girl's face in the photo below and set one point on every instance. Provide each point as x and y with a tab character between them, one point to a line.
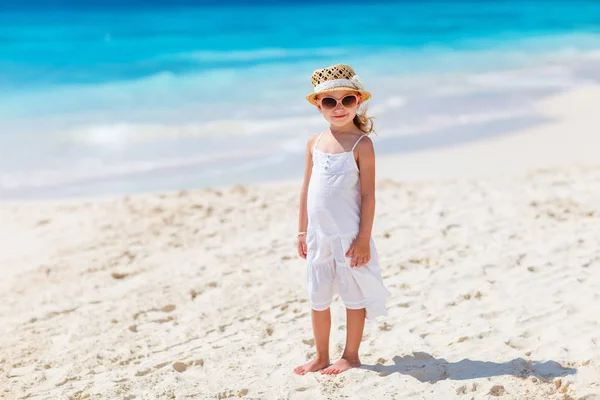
339	108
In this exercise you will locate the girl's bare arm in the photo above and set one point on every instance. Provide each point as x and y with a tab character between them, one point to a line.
303	217
366	163
360	250
303	214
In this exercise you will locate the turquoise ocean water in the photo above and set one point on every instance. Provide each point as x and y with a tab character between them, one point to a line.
101	98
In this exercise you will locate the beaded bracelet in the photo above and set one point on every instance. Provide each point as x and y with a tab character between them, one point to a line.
301	234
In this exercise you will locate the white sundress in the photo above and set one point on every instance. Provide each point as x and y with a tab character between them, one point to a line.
333	206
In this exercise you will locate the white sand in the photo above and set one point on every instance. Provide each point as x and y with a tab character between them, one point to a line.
200	295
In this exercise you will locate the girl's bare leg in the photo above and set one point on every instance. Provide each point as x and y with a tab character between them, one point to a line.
355	324
321	323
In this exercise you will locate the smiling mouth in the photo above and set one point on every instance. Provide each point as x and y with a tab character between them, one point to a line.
339	116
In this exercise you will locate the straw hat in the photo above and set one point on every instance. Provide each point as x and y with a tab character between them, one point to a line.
335	78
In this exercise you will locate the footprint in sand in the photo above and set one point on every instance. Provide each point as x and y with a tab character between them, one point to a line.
164	320
143	372
119	275
195	293
179	366
462	339
167	308
497	390
21	371
232	393
385	327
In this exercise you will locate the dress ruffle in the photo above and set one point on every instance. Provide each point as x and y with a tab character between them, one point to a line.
359	287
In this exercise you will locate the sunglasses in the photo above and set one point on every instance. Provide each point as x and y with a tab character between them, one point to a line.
329	103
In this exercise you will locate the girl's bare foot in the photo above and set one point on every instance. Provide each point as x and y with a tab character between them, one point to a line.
312	366
343	364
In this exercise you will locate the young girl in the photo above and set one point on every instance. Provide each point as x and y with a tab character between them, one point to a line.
337	207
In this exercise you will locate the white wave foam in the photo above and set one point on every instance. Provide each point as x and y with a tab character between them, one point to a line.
84	170
122	134
434	123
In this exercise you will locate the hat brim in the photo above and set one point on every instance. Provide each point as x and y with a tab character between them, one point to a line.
312	98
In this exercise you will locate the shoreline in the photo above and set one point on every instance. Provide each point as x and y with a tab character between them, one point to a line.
569	111
472	109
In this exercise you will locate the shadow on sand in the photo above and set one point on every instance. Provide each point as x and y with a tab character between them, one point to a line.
426	368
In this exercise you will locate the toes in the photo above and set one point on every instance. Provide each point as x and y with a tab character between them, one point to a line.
331	371
335	370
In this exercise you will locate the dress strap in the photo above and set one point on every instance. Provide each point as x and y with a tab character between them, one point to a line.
317	142
357	140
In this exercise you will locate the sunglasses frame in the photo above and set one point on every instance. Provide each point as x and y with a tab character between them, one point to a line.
338	101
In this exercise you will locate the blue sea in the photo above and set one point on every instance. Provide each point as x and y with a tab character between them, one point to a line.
110	97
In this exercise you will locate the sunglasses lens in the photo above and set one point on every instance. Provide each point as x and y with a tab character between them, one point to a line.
349	101
328	103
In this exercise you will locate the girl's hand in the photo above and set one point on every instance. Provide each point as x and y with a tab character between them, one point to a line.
302	246
360	251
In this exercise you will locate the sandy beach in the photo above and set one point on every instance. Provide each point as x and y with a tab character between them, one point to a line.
490	250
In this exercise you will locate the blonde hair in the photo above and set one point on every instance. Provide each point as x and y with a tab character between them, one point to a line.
364	122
